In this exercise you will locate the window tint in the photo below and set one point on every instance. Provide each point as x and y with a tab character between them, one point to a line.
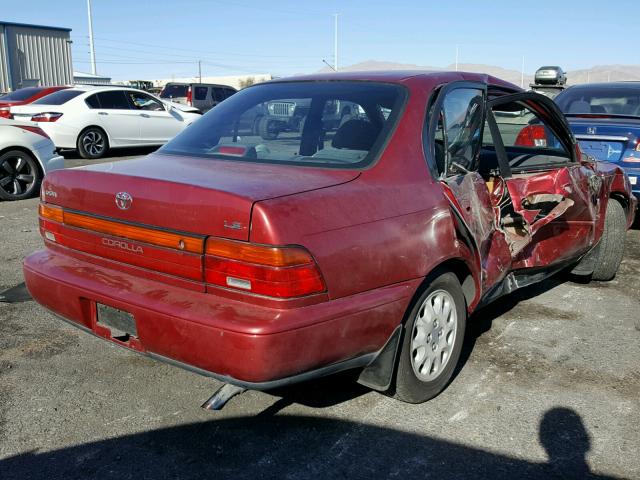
304	123
462	116
93	101
174	91
21	94
114	99
142	101
600	100
59	97
200	93
217	94
228	92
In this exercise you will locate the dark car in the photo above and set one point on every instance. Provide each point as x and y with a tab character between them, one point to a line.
24	96
264	262
605	118
550	76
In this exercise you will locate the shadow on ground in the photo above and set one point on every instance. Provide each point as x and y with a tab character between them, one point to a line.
305	448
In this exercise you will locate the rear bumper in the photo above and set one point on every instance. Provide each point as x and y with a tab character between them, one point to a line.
249	345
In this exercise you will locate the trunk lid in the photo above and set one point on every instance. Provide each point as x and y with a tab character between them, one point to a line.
185	194
606	139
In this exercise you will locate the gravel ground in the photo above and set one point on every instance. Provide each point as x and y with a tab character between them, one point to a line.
550	388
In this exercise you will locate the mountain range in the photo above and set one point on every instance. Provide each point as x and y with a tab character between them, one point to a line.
598	73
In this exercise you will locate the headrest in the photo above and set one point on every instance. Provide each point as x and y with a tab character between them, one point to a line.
356	135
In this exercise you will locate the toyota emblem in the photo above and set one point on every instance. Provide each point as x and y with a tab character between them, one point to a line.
123	200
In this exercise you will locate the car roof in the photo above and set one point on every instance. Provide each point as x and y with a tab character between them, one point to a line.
105	88
601	85
399	76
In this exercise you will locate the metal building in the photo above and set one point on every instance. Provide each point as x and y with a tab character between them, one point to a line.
32	55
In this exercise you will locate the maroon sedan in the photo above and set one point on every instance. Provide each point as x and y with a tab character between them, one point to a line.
358	243
24	96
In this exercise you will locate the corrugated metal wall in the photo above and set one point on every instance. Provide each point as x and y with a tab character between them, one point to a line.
37	56
5	84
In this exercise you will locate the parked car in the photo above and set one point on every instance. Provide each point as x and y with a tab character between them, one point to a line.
267	262
550	76
26	155
288	115
203	96
24	96
605	118
95	119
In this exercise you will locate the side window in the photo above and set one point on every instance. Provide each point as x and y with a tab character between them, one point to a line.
462	119
92	101
200	93
142	101
228	92
217	94
114	99
529	142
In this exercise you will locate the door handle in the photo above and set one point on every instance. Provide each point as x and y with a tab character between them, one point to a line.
103	113
145	115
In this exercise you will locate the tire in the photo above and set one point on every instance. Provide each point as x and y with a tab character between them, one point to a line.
20	175
610	249
255	129
92	143
418	378
268	128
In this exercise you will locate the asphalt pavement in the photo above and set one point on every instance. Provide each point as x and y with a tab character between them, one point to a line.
549	388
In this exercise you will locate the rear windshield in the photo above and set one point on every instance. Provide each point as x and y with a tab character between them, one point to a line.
303	123
22	94
58	98
601	100
174	91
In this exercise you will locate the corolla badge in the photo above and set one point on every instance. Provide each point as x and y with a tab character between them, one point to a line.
123	200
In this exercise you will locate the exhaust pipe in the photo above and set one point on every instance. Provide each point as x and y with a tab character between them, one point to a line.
222	396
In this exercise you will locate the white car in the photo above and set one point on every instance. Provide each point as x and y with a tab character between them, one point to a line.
26	155
95	119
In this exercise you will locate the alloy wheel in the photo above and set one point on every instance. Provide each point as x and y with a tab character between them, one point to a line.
434	334
93	142
17	175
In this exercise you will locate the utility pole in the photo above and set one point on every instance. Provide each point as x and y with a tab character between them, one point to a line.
522	74
91	49
200	71
335	42
457	54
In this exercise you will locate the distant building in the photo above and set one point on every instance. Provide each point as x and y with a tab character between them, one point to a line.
32	55
81	78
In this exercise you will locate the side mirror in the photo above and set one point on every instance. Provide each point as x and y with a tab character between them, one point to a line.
168	107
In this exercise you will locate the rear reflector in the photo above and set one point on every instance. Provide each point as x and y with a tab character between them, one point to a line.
279	272
36	130
117	229
5	112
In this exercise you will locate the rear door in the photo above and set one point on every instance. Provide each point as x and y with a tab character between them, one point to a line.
116	115
455	128
157	125
553	199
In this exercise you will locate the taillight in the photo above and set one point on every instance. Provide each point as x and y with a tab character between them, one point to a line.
532	136
279	272
36	130
46	117
5	112
189	97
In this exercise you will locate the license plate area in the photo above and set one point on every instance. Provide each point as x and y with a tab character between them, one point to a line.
121	324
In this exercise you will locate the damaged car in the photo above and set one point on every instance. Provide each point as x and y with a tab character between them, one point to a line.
263	262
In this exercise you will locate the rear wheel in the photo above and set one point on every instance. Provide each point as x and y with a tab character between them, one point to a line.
432	340
269	128
20	175
92	143
609	251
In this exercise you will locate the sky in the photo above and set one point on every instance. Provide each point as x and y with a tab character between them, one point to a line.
141	39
